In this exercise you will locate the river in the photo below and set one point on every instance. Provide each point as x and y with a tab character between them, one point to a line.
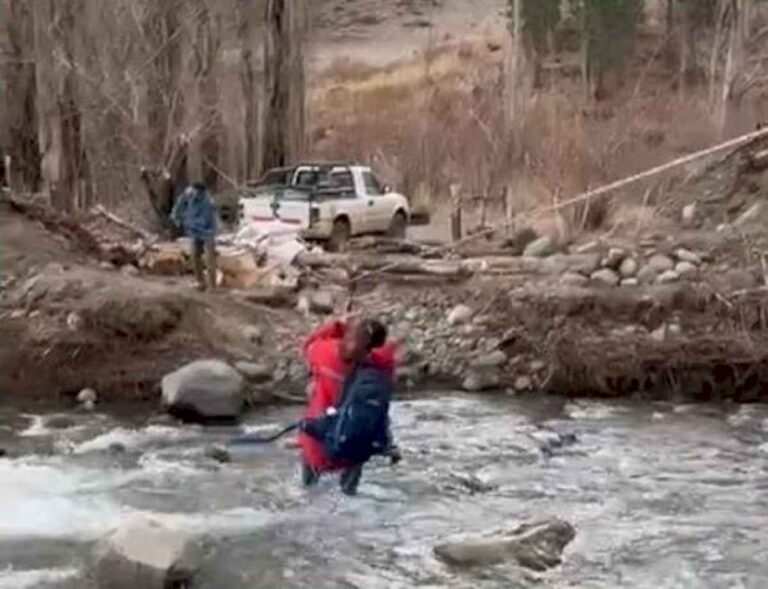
661	495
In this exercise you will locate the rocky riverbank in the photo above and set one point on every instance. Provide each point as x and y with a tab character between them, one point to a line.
677	310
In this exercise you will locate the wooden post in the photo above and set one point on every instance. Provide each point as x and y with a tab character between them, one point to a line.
455	212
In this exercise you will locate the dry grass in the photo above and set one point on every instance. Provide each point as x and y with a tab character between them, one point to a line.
438	119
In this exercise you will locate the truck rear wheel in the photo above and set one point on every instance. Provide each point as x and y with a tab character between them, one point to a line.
340	234
398	226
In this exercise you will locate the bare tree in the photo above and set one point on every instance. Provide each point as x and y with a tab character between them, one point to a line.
64	160
284	116
250	91
19	78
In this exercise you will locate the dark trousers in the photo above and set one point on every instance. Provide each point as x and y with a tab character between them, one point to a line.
207	247
349	479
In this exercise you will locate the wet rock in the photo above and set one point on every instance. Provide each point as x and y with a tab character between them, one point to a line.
614	258
493	359
647	275
477	381
86	396
685	255
473	484
523	383
660	263
537	546
605	276
255	371
459	314
573	279
204	389
686	269
538	365
540	248
89	406
129	270
218	453
629	282
628	267
144	553
667	277
104	265
3	452
117	448
59	422
253	333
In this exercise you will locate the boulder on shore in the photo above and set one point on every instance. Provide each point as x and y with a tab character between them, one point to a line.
538	546
204	389
143	553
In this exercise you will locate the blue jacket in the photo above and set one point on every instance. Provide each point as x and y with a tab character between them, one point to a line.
195	213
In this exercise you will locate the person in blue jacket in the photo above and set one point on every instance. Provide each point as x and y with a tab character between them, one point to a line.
195	213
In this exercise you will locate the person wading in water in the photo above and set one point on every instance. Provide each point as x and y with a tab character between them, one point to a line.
334	353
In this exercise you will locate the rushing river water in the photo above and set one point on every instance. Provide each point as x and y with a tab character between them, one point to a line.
661	496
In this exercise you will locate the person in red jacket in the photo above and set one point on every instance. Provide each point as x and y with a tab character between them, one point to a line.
330	352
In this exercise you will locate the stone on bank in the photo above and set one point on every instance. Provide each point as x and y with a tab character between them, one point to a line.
204	389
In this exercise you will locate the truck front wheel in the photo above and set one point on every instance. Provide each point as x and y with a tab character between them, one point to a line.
339	236
398	225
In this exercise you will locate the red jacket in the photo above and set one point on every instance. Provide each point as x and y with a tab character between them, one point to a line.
327	371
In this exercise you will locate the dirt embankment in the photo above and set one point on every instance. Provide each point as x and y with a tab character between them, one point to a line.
69	321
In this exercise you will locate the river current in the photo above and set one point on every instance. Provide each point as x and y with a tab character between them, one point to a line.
662	496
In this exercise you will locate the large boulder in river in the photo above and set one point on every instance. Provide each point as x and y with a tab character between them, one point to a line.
143	553
204	389
538	546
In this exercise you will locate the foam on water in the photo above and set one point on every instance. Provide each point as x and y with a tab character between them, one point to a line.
39	499
11	579
36	428
589	410
135	439
56	500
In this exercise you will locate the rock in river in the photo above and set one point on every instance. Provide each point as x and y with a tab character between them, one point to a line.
538	546
143	553
204	389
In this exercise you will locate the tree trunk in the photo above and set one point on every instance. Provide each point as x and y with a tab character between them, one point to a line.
284	118
250	92
19	78
64	163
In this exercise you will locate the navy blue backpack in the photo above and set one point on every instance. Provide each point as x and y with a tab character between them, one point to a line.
360	427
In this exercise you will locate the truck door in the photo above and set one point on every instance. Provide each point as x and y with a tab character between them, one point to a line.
381	206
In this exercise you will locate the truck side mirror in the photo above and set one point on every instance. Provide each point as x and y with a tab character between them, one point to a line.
386	189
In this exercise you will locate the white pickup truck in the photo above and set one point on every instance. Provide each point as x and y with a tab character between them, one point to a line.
329	201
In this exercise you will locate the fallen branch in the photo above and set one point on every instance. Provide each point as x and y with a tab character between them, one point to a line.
100	210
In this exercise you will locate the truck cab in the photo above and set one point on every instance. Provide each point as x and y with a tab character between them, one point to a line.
328	201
